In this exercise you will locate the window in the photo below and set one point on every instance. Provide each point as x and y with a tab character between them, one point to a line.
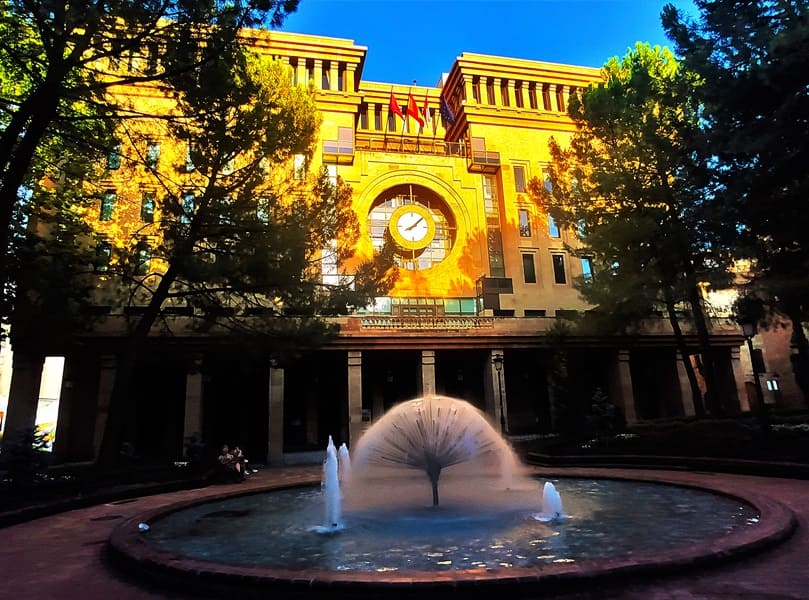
114	157
144	258
490	91
529	272
147	201
324	79
103	257
559	275
560	97
546	96
476	89
152	154
263	209
107	205
525	223
189	201
553	229
331	173
504	93
518	94
189	158
299	167
587	268
342	77
378	117
519	178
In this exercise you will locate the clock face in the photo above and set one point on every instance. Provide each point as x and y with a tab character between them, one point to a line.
417	221
412	226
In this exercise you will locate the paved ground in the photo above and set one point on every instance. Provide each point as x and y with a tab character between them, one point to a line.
63	556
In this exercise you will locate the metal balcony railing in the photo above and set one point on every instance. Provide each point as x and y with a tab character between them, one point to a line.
437	323
407	144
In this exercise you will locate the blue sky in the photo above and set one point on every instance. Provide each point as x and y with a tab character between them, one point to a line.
419	39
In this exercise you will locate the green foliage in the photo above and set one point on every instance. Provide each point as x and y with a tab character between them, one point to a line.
24	454
752	57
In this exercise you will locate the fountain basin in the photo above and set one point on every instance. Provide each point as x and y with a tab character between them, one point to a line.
135	551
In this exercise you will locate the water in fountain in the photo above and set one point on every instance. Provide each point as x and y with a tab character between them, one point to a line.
331	490
344	465
551	504
445	438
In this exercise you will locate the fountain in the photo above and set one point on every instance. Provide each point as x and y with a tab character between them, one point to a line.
433	487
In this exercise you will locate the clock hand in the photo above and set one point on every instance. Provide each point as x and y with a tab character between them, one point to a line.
414	224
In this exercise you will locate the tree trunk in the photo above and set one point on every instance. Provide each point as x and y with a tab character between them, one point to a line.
696	392
713	400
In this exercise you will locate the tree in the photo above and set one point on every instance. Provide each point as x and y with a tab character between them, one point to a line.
241	235
634	184
752	57
58	59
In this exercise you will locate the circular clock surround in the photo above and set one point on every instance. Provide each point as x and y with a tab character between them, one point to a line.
412	226
417	221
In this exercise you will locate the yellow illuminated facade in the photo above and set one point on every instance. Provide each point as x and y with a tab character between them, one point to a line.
484	275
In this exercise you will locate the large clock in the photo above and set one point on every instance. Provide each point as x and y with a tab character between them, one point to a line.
412	226
417	221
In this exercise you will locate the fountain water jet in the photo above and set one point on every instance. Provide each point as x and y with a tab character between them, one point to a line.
432	434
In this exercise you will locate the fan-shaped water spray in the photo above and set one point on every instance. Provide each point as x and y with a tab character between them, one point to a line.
431	434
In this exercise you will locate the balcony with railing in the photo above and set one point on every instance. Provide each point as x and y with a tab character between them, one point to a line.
432	323
407	144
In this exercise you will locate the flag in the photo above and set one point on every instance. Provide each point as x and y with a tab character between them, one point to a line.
425	111
413	110
446	112
393	106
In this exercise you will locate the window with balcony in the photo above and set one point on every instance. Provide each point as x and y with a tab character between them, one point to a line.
559	274
188	206
528	268
103	257
143	258
114	157
147	202
553	229
107	205
519	178
587	268
525	223
152	154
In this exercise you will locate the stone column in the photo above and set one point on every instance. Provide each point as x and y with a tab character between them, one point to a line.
23	393
317	74
64	428
738	377
355	424
686	397
275	426
427	373
498	94
192	424
621	386
334	84
106	379
512	94
300	72
468	91
350	71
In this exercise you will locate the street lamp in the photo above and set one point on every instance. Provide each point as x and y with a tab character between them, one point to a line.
749	329
497	359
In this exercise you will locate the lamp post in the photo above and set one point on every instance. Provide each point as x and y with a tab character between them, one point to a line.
497	359
749	328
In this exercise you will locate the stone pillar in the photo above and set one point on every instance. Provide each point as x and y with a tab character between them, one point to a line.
512	94
621	392
686	396
372	116
498	94
554	97
427	373
192	424
350	71
64	427
23	393
300	72
334	84
106	380
468	91
275	426
355	424
317	74
739	380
